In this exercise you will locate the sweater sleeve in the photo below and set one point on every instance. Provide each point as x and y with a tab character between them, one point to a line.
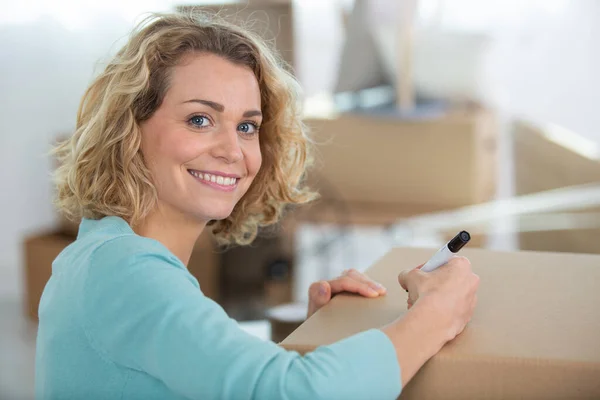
144	311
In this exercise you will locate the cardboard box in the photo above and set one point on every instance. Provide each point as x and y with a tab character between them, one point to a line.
40	251
67	226
204	265
535	333
543	163
421	165
273	20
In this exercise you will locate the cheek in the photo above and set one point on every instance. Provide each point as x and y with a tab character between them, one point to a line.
175	148
254	160
159	144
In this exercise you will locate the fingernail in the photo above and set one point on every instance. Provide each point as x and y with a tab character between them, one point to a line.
373	292
379	286
322	290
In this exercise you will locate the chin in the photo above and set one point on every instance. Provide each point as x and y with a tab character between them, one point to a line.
213	214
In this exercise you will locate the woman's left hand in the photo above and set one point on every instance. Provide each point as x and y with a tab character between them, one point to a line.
351	281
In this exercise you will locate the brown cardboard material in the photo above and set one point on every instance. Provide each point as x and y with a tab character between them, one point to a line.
204	265
422	165
535	333
271	19
284	319
542	164
40	252
67	226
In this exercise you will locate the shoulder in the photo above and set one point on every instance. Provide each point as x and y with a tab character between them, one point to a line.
129	269
131	257
110	240
116	253
131	247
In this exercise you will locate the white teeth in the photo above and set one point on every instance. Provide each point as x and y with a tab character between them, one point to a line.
220	180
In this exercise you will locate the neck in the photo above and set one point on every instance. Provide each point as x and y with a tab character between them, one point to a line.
175	231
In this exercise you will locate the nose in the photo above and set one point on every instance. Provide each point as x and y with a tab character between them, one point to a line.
227	146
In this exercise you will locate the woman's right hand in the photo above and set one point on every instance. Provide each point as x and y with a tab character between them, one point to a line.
450	293
441	304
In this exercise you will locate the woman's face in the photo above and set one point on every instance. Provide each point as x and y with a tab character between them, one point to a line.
201	144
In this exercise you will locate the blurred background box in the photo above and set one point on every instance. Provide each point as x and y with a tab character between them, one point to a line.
67	226
422	165
256	276
40	251
272	19
204	265
285	319
548	157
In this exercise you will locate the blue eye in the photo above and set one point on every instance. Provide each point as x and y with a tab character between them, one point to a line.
248	128
199	121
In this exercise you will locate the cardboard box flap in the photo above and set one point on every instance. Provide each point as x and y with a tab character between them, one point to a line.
538	313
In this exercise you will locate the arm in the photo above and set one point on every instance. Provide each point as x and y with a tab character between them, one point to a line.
417	337
147	313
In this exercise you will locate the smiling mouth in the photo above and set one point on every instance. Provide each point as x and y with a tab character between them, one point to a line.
216	181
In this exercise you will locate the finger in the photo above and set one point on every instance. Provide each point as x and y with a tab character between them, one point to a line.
459	262
410	279
319	294
406	278
418	268
348	284
473	304
354	274
403	280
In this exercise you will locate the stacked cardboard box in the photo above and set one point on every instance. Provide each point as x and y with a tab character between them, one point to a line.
40	251
407	165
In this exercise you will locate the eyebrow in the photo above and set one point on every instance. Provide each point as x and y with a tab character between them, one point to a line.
220	107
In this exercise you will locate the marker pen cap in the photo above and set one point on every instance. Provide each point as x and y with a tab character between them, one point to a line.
459	241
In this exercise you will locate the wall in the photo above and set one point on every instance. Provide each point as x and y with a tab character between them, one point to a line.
44	69
548	68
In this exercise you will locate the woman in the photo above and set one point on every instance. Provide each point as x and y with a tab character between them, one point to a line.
194	126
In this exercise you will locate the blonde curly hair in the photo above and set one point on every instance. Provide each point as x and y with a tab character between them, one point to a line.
101	169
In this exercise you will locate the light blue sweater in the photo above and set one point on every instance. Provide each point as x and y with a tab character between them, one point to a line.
122	318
